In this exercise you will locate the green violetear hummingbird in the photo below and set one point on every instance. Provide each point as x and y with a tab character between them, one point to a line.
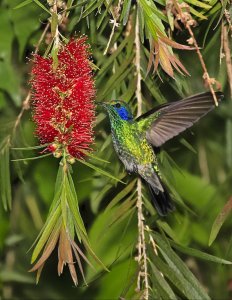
134	138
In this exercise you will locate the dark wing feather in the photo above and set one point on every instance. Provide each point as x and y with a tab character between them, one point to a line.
173	118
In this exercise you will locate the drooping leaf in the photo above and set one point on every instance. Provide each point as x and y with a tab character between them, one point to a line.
199	254
166	290
190	285
5	182
121	195
22	4
220	220
103	172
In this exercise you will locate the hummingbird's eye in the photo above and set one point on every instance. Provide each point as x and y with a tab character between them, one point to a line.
117	105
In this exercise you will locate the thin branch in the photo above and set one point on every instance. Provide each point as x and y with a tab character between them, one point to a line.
148	229
138	67
221	54
187	20
142	249
228	19
41	38
56	32
115	24
227	51
142	254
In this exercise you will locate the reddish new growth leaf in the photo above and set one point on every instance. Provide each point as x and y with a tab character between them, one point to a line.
161	53
63	107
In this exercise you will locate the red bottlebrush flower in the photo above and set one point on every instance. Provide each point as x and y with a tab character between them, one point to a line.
63	107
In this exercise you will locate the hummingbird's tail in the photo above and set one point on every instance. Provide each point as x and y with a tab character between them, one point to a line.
160	197
161	200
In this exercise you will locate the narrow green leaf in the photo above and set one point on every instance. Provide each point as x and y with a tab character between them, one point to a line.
167	292
187	145
128	214
30	148
109	61
166	228
120	195
177	279
125	11
5	183
95	157
59	180
91	7
103	15
220	220
122	211
32	158
81	3
197	13
42	6
51	223
24	3
199	4
193	289
99	170
49	247
199	254
73	204
94	256
52	211
63	202
119	76
7	178
222	5
120	73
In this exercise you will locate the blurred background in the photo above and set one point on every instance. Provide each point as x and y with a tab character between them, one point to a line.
198	163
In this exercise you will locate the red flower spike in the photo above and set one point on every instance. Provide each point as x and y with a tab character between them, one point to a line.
63	107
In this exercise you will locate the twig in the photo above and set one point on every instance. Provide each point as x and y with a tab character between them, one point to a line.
138	67
142	250
41	38
115	24
221	54
56	32
188	22
227	52
142	255
152	240
228	19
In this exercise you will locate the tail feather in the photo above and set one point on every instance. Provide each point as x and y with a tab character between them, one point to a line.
161	201
159	194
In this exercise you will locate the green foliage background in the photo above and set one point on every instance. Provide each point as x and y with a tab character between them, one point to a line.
201	173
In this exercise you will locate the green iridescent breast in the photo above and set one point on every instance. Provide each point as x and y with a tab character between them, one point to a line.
132	142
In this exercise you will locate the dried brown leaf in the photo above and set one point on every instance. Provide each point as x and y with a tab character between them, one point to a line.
156	63
174	44
151	56
177	64
50	245
65	255
79	264
164	57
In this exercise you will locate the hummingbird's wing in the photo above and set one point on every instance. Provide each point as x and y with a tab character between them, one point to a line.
168	120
